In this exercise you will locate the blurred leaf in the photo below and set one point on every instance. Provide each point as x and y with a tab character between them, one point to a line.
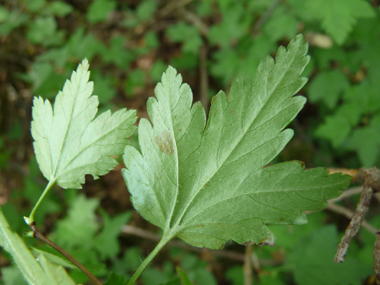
151	40
225	65
107	242
103	88
337	17
57	55
135	78
83	45
280	24
234	25
13	20
12	216
58	8
186	34
4	158
16	132
313	259
35	5
257	50
187	61
204	8
235	275
157	69
11	275
43	30
79	226
327	87
335	128
3	14
115	279
224	4
146	10
351	112
196	270
118	54
365	96
366	141
154	276
99	10
183	277
325	57
45	80
130	261
273	279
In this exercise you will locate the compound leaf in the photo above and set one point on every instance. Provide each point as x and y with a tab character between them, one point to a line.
69	143
207	184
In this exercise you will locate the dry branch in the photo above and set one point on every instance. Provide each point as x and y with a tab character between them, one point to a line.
371	179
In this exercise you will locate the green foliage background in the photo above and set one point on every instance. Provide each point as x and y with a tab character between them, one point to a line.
129	44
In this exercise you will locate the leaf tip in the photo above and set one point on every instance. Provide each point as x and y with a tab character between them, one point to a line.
84	65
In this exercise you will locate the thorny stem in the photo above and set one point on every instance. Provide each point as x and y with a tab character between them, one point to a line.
38	235
31	216
164	240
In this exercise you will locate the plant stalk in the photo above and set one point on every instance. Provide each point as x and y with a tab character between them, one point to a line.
31	216
38	235
164	240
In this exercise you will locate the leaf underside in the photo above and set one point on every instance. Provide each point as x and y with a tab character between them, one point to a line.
205	183
69	143
42	272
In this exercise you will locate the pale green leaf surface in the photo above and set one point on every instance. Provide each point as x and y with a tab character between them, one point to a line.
33	272
54	271
53	258
206	184
69	143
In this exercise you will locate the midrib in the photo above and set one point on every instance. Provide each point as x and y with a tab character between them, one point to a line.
236	144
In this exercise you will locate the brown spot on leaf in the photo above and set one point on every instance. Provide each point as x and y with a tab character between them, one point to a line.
267	242
165	142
